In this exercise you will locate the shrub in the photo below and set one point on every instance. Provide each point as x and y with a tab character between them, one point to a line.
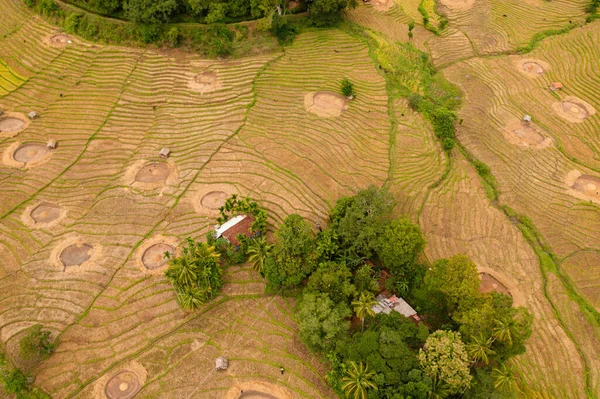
173	36
149	33
284	31
72	22
218	40
347	88
36	344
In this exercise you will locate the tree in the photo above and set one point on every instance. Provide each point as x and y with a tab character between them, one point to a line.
457	280
327	12
444	358
347	88
359	220
320	321
502	331
357	381
480	349
294	253
333	279
398	246
258	252
363	307
36	344
504	378
149	11
195	275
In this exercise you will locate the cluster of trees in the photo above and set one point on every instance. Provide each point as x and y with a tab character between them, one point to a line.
323	12
389	356
35	346
196	274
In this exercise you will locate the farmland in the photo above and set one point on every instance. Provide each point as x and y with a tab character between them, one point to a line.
272	126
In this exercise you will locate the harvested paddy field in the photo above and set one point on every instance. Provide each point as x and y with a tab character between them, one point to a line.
84	226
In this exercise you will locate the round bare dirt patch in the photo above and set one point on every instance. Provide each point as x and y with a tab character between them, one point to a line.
490	283
574	109
154	257
325	104
257	390
525	135
153	173
46	213
214	200
588	185
60	40
205	82
531	67
76	254
28	153
382	5
11	124
123	385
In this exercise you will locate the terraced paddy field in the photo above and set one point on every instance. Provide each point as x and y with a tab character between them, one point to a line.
81	224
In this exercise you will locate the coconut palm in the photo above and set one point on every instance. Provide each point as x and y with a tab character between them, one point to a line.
363	307
183	271
504	378
258	252
480	348
502	331
191	298
440	390
357	381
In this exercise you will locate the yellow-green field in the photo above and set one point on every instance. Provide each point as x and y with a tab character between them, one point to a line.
256	129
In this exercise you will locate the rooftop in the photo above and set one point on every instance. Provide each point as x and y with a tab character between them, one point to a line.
229	230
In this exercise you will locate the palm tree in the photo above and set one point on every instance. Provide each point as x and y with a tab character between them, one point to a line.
191	298
504	379
502	331
183	271
480	349
440	390
363	307
258	252
357	381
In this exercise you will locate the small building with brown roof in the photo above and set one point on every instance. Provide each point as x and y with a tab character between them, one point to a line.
554	86
241	224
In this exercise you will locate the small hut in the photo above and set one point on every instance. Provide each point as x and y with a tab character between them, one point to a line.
527	118
51	144
221	363
33	115
164	153
555	86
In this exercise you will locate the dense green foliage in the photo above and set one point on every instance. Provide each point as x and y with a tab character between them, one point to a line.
195	274
411	75
387	356
14	382
294	255
347	88
36	344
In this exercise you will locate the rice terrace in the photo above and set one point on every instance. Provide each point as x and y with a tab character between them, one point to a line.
384	199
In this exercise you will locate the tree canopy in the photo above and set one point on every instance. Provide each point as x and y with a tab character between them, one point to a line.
444	358
195	275
321	321
294	256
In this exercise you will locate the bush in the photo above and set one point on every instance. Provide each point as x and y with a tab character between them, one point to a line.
149	33
36	344
284	31
218	40
347	88
72	22
173	36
